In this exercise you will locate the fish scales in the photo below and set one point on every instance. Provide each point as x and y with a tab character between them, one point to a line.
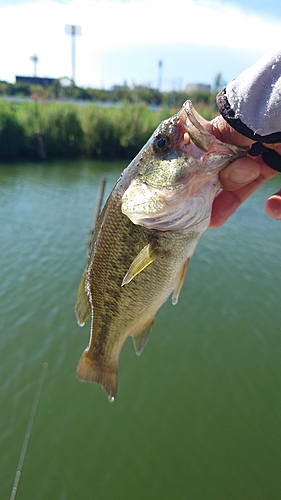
144	239
116	312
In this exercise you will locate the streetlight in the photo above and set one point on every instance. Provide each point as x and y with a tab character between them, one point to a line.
71	29
35	60
160	70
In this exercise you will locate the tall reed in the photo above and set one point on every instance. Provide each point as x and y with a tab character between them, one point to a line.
43	130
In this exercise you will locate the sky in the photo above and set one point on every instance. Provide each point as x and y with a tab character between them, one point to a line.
124	40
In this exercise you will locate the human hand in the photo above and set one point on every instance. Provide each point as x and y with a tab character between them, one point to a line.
241	177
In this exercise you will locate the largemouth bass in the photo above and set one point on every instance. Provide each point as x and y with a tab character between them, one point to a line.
144	239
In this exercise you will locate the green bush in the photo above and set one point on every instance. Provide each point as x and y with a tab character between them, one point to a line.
50	130
117	132
62	132
12	137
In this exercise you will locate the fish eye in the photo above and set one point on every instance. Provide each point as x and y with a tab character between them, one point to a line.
162	144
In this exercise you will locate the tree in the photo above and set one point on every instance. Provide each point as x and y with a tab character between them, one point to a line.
218	84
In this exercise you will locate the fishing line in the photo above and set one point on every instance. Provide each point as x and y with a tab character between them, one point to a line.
29	429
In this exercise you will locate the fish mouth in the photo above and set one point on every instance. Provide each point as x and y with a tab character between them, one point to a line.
193	126
195	133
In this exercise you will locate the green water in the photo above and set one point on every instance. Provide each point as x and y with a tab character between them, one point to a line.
197	416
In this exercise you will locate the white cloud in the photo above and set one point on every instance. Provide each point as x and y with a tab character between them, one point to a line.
106	24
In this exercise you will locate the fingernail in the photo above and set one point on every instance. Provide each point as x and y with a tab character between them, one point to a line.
241	176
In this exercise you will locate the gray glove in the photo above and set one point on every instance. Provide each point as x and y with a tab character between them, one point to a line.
251	104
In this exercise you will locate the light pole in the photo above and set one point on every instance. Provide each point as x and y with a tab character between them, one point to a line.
35	60
160	69
71	29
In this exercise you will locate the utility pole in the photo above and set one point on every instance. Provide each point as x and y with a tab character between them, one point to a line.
71	29
160	69
35	60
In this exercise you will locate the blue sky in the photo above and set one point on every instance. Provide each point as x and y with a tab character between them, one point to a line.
123	41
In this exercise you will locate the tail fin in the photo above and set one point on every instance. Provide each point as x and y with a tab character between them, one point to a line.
89	370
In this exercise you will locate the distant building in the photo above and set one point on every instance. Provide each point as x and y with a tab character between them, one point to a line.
35	80
119	87
198	87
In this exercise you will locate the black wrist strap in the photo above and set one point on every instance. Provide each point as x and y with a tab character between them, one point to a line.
270	157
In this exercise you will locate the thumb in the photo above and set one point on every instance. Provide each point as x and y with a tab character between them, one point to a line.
273	206
239	173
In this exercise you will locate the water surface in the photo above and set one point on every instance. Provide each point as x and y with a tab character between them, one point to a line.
197	416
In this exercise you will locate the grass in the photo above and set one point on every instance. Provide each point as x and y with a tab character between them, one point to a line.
40	130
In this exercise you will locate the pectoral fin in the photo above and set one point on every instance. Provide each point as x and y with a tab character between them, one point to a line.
146	256
180	282
140	339
82	306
